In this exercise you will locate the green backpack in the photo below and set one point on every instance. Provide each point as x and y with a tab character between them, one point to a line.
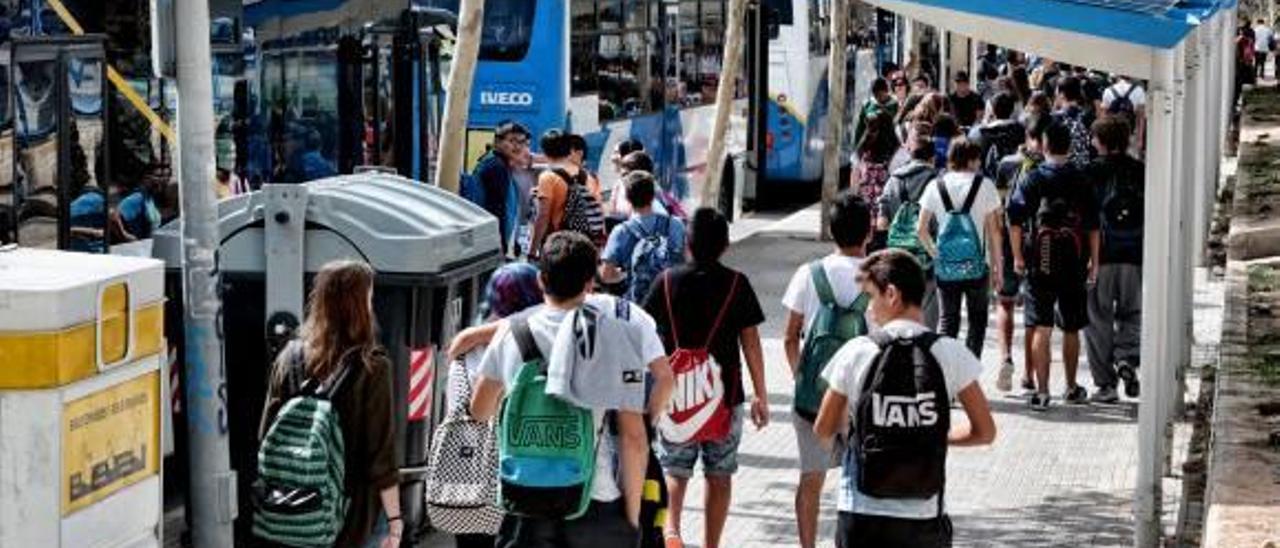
299	495
903	232
546	446
833	326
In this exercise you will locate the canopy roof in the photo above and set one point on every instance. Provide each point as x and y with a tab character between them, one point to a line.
1114	35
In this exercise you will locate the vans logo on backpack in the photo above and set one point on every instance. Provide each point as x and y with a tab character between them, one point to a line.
540	432
904	411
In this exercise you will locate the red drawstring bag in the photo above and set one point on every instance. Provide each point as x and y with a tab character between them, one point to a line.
697	411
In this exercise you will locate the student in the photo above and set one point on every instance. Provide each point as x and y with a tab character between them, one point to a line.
1055	208
706	303
494	174
850	227
559	205
619	207
512	289
648	243
1001	135
1263	43
338	341
875	152
1009	175
896	285
1073	112
578	157
568	267
906	187
945	131
880	101
965	104
1113	336
967	261
1125	98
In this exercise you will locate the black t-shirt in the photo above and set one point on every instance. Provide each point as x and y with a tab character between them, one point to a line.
967	108
1049	182
698	293
1118	173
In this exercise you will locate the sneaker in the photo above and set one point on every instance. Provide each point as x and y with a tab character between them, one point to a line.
1039	402
1077	395
1005	381
1129	375
1028	385
1106	394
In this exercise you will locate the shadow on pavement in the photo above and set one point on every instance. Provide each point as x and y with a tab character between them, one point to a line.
1088	518
1123	412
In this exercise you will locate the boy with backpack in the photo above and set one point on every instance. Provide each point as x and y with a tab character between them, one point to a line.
1009	175
899	214
1127	99
648	243
1113	336
708	316
826	309
558	372
1074	113
881	100
1055	208
1001	136
966	257
893	390
565	198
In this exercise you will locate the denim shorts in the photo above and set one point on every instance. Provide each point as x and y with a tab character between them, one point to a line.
719	458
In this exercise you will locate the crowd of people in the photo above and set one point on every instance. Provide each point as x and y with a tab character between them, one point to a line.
616	350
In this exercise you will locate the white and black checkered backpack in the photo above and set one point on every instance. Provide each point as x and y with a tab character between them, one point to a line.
462	473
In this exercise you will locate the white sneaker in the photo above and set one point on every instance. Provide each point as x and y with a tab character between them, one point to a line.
1005	381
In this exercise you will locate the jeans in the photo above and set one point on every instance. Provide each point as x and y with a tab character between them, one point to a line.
1114	332
976	295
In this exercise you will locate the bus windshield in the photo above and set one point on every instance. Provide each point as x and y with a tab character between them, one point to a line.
508	27
783	11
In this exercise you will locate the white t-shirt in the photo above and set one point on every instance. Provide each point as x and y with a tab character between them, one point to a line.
958	184
845	374
1138	97
1262	38
502	362
842	272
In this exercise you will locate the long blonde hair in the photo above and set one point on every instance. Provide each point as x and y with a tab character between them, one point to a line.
339	317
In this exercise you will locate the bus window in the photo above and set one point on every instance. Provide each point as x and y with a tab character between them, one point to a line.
508	29
36	165
87	196
629	75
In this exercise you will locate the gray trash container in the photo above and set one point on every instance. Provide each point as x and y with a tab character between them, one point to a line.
433	252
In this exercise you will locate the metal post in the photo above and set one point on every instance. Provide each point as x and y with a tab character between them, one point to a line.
836	69
1199	131
1158	252
212	482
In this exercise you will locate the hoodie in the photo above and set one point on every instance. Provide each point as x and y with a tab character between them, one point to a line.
907	181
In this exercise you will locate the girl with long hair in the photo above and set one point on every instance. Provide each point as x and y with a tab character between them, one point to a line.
339	335
874	154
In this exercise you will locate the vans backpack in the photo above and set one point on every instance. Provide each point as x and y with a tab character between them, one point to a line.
899	432
903	232
1123	214
650	256
961	253
1057	249
582	211
300	496
697	412
462	470
546	446
832	327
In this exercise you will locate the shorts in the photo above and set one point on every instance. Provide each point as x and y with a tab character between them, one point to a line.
604	524
1011	282
813	458
719	458
857	530
1071	301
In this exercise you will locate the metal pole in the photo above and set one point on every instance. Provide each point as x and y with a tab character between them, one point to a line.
1204	183
212	482
732	66
1158	250
836	69
453	131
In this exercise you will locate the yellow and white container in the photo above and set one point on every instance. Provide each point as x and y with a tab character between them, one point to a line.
81	348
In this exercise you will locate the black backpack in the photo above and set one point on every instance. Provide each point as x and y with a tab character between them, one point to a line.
582	211
1122	212
1057	249
899	433
1122	104
1001	142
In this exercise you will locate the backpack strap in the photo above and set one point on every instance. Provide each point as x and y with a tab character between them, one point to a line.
715	327
946	196
671	315
821	284
973	193
564	175
524	340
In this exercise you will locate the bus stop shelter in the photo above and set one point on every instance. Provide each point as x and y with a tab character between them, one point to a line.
1185	50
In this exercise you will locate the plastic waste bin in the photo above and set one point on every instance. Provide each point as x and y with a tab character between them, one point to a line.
432	251
80	352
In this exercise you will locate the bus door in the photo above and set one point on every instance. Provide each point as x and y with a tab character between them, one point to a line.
55	188
669	157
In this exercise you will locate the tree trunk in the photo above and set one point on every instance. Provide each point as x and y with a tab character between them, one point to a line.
453	129
725	94
835	112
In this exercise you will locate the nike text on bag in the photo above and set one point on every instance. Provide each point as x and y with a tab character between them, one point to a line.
832	326
546	446
299	496
902	232
899	432
462	473
697	412
1056	244
651	255
582	211
961	253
